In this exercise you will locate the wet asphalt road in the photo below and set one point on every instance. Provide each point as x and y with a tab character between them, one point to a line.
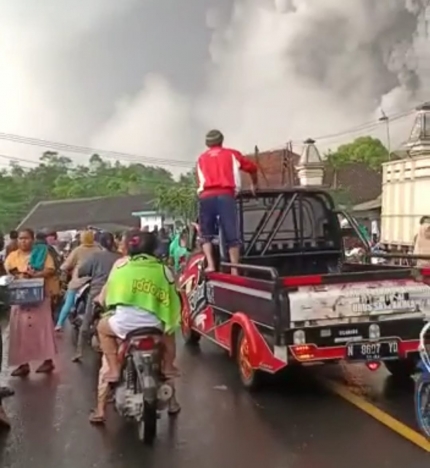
294	423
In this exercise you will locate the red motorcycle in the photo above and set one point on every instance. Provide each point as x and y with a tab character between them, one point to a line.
142	392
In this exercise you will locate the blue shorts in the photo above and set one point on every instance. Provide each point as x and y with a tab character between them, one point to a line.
219	211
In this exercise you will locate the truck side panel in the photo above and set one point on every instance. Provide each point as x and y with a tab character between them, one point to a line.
404	199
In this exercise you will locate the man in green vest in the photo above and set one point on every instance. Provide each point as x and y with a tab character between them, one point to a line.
141	291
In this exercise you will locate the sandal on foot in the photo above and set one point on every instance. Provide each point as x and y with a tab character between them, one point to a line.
46	368
77	358
96	419
21	371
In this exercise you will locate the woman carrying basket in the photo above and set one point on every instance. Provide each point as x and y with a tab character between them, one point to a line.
31	328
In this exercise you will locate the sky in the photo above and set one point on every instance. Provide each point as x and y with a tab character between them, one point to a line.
151	77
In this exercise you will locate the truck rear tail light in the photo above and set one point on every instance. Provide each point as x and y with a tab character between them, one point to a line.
310	280
374	332
299	337
303	352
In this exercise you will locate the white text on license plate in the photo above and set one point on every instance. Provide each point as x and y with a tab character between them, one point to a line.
372	349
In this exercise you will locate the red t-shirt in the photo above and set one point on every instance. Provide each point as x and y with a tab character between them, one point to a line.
218	171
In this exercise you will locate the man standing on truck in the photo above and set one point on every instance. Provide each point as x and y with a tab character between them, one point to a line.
218	177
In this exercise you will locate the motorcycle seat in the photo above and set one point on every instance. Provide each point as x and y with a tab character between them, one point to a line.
143	331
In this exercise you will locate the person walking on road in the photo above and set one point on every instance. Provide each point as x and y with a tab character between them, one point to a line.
31	336
97	267
72	264
218	174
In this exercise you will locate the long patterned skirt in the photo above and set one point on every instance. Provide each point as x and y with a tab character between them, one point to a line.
31	335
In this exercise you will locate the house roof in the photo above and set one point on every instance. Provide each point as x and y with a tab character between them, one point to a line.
77	213
361	182
375	204
278	169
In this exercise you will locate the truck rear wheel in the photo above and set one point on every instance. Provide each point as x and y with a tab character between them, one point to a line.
191	337
251	378
402	368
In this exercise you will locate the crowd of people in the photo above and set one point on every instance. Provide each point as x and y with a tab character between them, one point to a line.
112	265
94	257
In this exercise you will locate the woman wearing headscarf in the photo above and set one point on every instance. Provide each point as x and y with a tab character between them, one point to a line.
179	252
72	264
31	335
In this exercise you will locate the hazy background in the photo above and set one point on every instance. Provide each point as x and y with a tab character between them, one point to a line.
150	77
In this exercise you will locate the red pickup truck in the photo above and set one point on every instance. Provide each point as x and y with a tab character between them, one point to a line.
297	300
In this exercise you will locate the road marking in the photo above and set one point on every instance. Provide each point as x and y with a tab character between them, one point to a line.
381	416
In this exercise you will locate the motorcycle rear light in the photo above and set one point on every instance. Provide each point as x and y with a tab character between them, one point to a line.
146	343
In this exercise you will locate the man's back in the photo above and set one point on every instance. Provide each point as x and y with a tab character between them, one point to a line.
101	265
218	171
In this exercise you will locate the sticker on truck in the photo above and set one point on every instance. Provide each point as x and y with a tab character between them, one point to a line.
355	300
389	302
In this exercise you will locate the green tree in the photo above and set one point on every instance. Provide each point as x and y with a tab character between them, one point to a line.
56	177
179	199
367	150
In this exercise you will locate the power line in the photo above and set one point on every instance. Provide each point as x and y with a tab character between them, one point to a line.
134	158
88	150
365	127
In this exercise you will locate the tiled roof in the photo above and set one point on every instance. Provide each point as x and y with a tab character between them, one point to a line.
276	169
360	181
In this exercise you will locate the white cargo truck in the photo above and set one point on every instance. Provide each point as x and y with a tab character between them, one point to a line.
406	187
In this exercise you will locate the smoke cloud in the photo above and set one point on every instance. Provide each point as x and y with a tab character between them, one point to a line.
151	77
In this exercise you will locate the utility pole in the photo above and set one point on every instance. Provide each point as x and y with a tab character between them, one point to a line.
386	120
290	164
257	161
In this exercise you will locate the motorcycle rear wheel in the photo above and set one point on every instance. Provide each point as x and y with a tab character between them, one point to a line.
147	427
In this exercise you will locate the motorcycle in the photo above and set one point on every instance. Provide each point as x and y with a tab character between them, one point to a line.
142	392
422	384
77	313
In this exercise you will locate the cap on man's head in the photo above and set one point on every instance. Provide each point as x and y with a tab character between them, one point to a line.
214	138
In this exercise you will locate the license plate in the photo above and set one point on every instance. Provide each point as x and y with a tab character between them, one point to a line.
372	351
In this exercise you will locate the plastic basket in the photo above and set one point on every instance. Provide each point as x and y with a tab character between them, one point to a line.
26	291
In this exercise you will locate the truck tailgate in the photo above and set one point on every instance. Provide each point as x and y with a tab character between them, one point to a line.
358	301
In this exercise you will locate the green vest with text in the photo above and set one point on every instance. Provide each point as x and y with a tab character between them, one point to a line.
145	283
